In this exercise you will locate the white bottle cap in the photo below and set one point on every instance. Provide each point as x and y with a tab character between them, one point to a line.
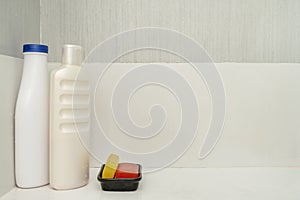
72	54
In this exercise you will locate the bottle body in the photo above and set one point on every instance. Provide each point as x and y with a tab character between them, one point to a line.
31	123
69	118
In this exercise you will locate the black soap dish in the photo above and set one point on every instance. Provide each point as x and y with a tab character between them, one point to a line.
119	184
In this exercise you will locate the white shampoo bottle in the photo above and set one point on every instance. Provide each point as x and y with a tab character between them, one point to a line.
69	120
31	120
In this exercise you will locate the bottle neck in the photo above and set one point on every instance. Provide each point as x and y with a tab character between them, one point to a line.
35	64
35	59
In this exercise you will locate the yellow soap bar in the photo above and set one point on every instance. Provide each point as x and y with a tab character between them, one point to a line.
111	166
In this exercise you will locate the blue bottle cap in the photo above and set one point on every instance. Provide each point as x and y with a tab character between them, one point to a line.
38	48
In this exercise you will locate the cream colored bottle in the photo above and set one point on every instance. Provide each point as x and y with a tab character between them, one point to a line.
69	121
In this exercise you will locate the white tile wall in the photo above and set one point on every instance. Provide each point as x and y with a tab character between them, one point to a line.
262	121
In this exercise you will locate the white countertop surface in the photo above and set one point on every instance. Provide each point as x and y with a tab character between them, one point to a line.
186	183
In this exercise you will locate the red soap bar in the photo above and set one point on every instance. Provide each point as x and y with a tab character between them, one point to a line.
127	170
